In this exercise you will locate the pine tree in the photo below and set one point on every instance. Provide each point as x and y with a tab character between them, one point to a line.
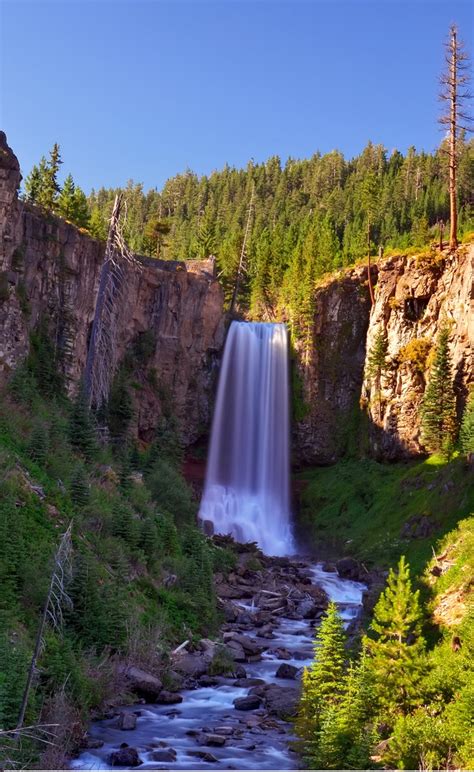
438	412
396	654
49	188
323	680
81	209
33	185
80	486
66	201
82	435
97	224
38	444
377	364
466	433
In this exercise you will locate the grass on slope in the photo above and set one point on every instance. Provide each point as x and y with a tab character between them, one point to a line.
375	512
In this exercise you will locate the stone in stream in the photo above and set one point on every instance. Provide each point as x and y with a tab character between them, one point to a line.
282	701
286	671
211	739
142	683
204	755
125	757
308	609
168	698
249	645
242	683
165	755
251	702
348	568
127	722
240	671
91	743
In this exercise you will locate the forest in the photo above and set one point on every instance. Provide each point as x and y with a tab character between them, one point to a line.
306	218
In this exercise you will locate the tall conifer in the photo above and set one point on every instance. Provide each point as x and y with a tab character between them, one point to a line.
438	413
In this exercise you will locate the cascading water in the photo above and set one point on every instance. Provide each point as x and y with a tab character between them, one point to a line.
247	481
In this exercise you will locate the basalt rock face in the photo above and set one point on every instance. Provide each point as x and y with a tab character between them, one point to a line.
331	368
415	297
346	406
50	269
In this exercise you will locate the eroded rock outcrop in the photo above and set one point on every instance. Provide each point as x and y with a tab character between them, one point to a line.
345	408
49	268
415	297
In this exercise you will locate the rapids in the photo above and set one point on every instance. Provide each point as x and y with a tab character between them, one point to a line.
249	746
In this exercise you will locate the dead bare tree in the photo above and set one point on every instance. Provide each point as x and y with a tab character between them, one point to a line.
243	253
102	352
56	599
454	92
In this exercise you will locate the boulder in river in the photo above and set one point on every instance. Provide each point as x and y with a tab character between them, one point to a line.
163	756
281	701
194	665
204	755
142	683
348	568
287	671
168	698
127	722
125	757
207	738
251	702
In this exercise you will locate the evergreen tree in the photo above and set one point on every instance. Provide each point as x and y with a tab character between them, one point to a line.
98	224
66	201
49	188
33	185
396	654
323	680
80	486
81	208
466	433
438	413
377	364
38	444
82	435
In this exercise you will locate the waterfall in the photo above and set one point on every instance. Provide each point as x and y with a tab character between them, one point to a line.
247	481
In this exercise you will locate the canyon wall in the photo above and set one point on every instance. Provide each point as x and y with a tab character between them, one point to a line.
50	269
172	328
348	411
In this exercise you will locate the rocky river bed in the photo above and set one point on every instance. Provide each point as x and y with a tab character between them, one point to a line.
240	720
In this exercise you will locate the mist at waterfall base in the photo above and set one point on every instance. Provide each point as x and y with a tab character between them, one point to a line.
247	490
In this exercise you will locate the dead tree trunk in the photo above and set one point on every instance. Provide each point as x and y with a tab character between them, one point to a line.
56	598
456	119
102	352
241	268
369	267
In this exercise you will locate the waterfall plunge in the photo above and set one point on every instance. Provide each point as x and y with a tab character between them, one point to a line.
247	480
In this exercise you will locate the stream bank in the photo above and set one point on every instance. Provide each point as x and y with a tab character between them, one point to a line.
239	720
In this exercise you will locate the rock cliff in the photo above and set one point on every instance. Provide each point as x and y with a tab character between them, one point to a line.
174	313
414	296
49	268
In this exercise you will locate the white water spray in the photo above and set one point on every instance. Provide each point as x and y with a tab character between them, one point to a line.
247	481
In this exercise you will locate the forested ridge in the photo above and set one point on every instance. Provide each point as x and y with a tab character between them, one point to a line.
307	217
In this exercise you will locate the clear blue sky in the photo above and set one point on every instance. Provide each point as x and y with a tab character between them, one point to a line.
143	90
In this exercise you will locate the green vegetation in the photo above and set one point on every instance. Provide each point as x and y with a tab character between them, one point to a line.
310	217
397	704
376	512
466	433
42	188
130	534
438	414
